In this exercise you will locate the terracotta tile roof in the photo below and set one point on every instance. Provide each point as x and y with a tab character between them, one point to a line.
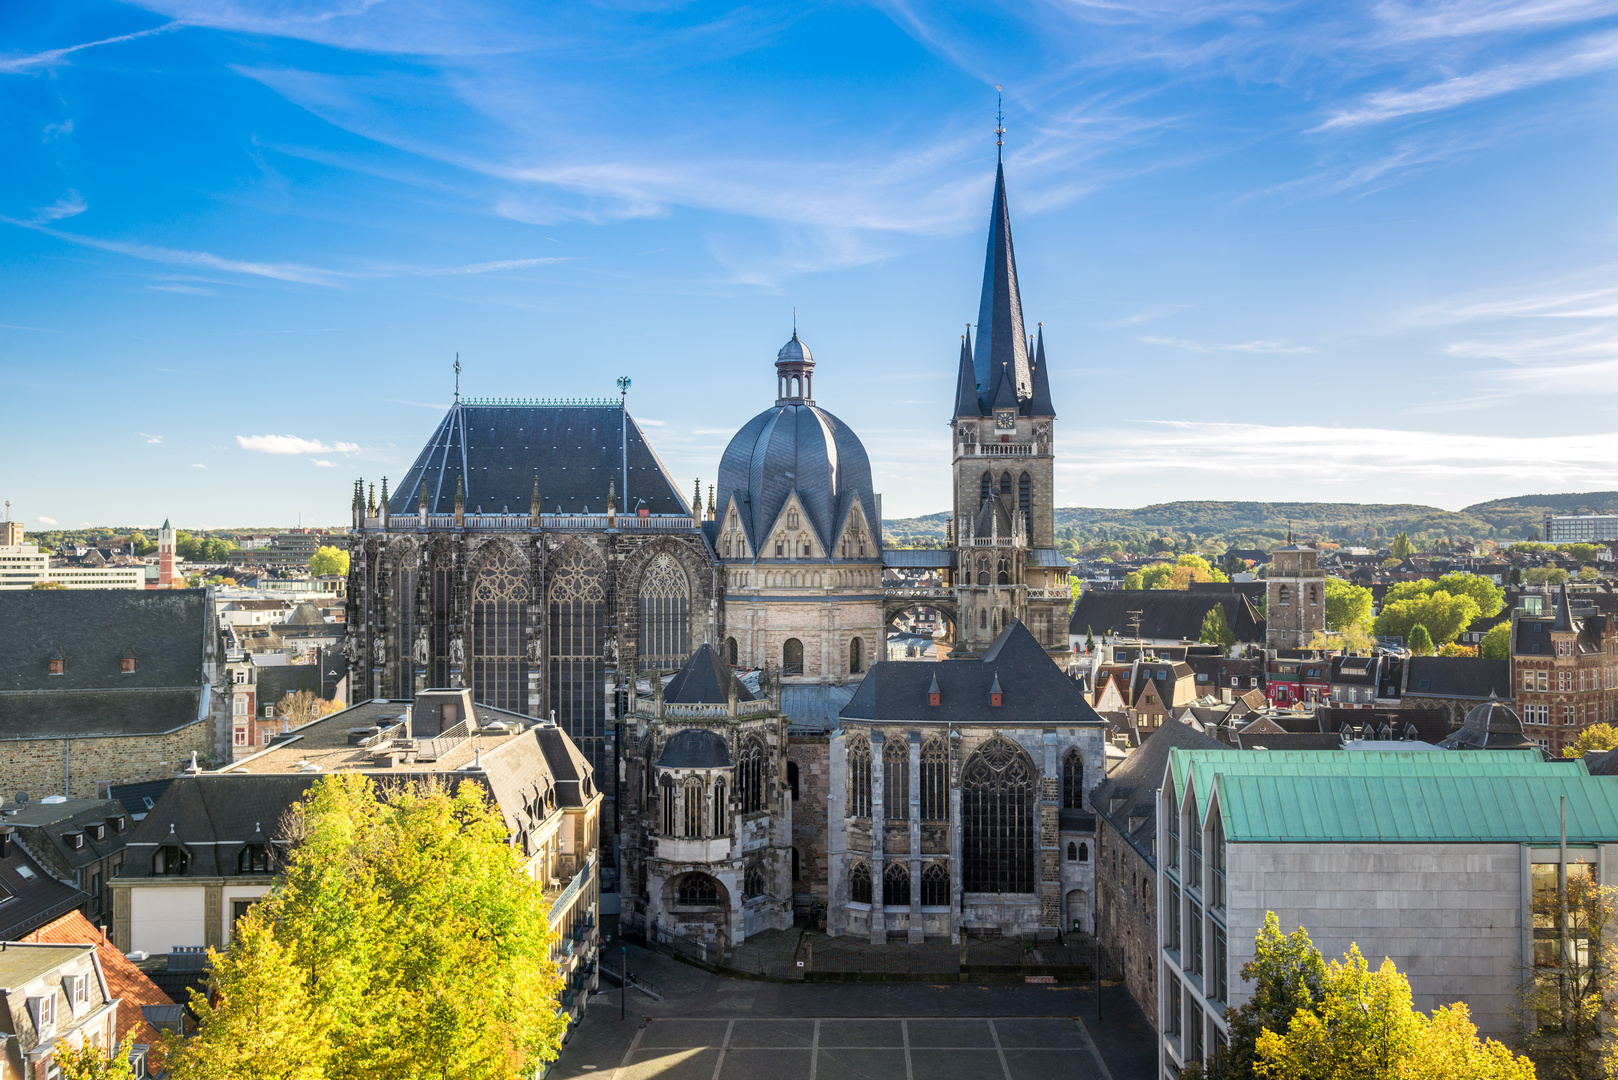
124	979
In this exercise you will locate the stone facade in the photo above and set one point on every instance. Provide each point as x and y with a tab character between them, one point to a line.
84	768
809	760
1294	599
1126	913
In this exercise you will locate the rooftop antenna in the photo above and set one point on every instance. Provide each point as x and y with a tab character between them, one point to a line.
794	332
457	376
999	124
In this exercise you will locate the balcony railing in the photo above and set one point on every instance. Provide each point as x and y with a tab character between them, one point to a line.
999	449
522	522
918	593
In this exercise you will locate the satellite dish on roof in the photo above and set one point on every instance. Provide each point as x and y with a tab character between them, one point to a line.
22	796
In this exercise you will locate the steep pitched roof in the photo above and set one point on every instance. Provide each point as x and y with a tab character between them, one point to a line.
1128	795
125	981
1039	404
704	679
495	451
1165	613
1002	342
966	385
1032	687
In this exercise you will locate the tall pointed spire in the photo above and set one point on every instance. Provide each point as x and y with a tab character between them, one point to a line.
1001	340
1040	403
966	386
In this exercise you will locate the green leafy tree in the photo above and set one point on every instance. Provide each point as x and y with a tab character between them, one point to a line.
1544	575
1582	552
1401	548
1592	739
1215	629
405	941
1496	643
1346	605
141	545
47	585
1089	639
1420	641
1589	573
328	560
1489	597
1441	615
1233	564
88	1061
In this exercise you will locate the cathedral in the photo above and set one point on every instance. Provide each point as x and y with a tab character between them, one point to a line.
725	672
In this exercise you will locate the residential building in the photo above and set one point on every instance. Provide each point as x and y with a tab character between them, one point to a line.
1564	671
102	687
1455	685
959	794
22	566
1580	528
1438	879
1295	597
1365	682
30	896
1297	676
79	842
51	996
213	842
1159	618
1126	860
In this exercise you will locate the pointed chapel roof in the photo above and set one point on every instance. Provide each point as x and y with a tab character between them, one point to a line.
966	385
1001	340
1564	612
704	679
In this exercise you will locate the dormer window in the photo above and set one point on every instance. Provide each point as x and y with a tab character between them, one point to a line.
996	698
75	840
99	832
43	1010
254	859
117	822
127	664
56	663
170	859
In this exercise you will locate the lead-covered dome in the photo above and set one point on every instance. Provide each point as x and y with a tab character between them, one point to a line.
797	447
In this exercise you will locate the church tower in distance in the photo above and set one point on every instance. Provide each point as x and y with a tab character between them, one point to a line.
1007	565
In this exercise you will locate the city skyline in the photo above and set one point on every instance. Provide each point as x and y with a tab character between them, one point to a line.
1277	255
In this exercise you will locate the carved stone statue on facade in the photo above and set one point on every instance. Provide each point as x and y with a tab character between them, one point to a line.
457	652
351	650
379	649
536	649
419	652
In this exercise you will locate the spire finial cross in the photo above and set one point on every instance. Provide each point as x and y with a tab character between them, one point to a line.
999	124
457	376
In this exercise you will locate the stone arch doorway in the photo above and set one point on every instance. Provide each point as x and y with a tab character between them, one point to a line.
1076	908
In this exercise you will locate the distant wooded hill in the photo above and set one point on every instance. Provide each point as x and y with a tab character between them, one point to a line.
1499	519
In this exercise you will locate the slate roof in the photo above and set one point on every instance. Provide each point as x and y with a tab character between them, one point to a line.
1031	685
1290	740
1133	785
125	982
497	450
919	558
92	631
44	828
1457	677
704	679
815	706
1001	351
31	896
1165	613
1492	725
695	748
797	447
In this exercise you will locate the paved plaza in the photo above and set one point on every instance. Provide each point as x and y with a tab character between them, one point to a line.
705	1026
857	1048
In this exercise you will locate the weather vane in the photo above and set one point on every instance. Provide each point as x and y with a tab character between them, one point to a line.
623	390
999	123
457	376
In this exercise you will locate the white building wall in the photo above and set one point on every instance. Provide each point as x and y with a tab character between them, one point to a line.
163	917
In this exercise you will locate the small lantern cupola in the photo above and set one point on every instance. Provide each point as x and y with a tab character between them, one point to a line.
934	697
995	697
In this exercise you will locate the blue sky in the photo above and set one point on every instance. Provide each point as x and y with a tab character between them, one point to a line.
1280	251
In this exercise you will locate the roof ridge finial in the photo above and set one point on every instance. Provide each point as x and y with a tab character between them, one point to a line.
794	322
999	124
457	376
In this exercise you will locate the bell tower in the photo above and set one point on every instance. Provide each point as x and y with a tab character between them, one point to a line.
1007	565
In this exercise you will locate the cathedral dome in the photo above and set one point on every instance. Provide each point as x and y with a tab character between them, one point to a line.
797	448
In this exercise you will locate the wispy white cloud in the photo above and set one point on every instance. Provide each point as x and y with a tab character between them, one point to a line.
1593	53
51	58
278	271
293	444
69	205
1413	22
47	521
54	131
151	440
324	464
199	466
1275	347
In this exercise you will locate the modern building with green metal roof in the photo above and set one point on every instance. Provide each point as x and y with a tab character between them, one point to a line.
1426	858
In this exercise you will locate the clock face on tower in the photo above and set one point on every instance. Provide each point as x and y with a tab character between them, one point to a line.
1005	420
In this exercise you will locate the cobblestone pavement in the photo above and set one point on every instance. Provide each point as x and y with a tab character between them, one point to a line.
713	1027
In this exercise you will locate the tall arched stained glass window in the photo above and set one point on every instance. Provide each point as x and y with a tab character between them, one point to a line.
1073	780
859	777
859	883
670	815
934	780
896	779
695	804
896	886
578	668
665	615
443	591
753	881
934	885
499	631
998	787
750	776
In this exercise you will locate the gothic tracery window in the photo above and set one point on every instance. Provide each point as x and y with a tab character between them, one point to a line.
499	631
859	883
1003	572
934	885
721	811
997	808
578	668
896	886
753	881
665	615
404	604
693	809
986	486
750	776
670	815
1005	483
859	777
896	779
697	890
443	589
934	780
1073	780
